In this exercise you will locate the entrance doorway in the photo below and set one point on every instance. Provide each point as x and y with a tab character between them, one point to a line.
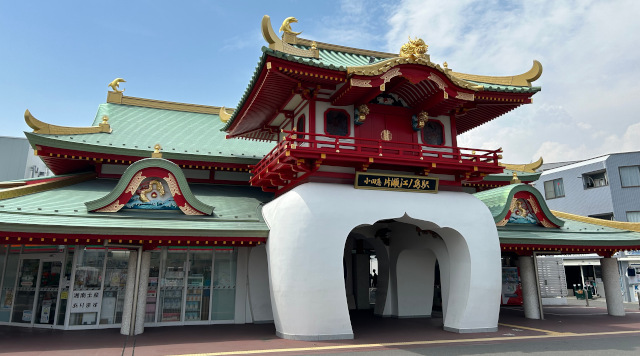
37	292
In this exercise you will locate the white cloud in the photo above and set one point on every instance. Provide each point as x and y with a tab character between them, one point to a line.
587	48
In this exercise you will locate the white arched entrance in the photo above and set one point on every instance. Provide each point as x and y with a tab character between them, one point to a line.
308	229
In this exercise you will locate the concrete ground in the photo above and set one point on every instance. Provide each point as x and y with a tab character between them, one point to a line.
563	325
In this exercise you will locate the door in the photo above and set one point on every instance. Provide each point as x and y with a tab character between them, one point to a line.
37	290
393	132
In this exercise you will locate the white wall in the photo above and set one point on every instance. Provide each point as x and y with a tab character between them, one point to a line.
308	229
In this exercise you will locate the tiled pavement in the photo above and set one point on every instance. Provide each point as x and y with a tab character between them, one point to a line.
371	333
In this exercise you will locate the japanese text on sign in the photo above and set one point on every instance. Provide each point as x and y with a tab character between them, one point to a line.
395	182
86	301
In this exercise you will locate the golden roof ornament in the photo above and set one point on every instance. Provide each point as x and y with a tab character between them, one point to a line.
115	85
286	26
515	179
414	49
156	151
314	45
224	115
527	168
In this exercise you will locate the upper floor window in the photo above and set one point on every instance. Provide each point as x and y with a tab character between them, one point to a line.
633	216
595	179
553	189
630	176
433	133
300	126
336	122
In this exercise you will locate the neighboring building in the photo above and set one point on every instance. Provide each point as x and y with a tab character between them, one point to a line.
605	187
166	213
17	160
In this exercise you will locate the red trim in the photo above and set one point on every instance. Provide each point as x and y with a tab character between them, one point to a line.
348	121
148	241
528	249
452	126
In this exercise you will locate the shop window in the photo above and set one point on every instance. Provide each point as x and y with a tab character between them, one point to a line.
630	176
10	274
433	133
633	216
115	282
336	122
172	284
86	297
554	189
300	126
595	180
224	285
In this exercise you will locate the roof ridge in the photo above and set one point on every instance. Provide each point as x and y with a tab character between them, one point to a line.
623	225
119	98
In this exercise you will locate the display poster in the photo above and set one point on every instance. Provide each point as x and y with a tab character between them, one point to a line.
511	289
7	301
26	315
45	312
86	301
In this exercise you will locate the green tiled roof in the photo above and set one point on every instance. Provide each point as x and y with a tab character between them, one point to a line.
237	213
507	176
336	60
498	201
506	88
572	233
182	135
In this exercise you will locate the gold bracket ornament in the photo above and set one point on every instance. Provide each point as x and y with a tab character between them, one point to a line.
115	84
156	151
418	121
414	49
361	113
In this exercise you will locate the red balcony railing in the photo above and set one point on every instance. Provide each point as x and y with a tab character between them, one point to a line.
363	152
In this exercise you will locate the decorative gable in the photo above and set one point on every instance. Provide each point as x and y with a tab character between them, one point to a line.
151	184
518	204
526	208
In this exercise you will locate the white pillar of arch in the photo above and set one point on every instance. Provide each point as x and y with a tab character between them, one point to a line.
130	288
308	229
141	308
529	287
611	280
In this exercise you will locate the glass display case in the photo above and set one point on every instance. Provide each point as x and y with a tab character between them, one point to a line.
115	283
172	285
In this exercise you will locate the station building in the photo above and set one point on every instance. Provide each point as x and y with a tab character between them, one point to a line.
164	213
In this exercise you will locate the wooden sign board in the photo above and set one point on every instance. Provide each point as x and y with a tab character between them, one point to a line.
396	182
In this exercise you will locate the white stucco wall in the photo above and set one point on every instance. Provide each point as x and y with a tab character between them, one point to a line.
308	229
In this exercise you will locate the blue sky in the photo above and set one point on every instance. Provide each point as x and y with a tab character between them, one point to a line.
58	57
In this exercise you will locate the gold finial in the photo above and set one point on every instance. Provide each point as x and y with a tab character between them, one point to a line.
156	151
314	45
286	26
115	85
414	49
446	65
105	120
515	179
224	115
